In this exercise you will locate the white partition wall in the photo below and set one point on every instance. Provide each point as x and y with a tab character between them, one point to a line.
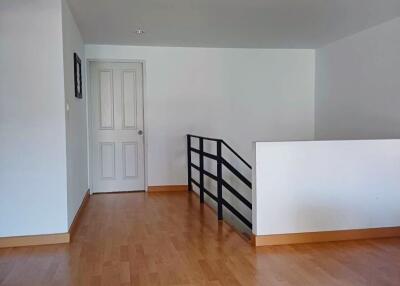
319	186
33	180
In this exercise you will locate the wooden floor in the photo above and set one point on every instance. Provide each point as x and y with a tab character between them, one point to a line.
168	239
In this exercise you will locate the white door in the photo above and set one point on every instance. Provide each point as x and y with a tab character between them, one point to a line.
117	127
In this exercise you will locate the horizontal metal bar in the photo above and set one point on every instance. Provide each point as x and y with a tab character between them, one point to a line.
212	176
237	194
226	145
208	155
236	213
195	150
211	195
195	166
211	156
237	155
205	172
236	172
205	190
196	183
205	138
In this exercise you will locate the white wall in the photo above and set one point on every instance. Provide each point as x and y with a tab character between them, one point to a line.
357	85
236	94
76	119
32	121
326	185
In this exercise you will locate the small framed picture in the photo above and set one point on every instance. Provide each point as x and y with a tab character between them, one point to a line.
78	76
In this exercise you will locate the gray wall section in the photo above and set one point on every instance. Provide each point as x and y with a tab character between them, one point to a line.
358	85
76	119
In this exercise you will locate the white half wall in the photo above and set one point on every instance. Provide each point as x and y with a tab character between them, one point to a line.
358	84
240	95
75	117
33	177
325	186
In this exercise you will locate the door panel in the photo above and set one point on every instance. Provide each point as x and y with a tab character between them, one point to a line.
106	100
117	122
129	99
129	151
107	160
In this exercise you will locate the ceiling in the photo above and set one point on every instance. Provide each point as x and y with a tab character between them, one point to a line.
228	23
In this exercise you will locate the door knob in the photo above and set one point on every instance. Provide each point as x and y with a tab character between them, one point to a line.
140	132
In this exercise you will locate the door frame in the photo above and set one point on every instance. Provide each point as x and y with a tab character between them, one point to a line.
89	110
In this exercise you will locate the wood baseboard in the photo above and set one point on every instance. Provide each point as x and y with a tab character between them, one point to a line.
78	214
32	240
45	239
325	236
120	193
170	188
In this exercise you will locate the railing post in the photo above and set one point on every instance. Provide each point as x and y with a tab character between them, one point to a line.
201	163
219	175
189	162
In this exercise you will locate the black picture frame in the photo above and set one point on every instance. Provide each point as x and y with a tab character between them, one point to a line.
78	76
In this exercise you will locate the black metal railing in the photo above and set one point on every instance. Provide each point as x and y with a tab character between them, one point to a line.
221	182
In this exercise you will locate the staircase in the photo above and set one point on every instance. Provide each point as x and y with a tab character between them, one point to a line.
222	202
